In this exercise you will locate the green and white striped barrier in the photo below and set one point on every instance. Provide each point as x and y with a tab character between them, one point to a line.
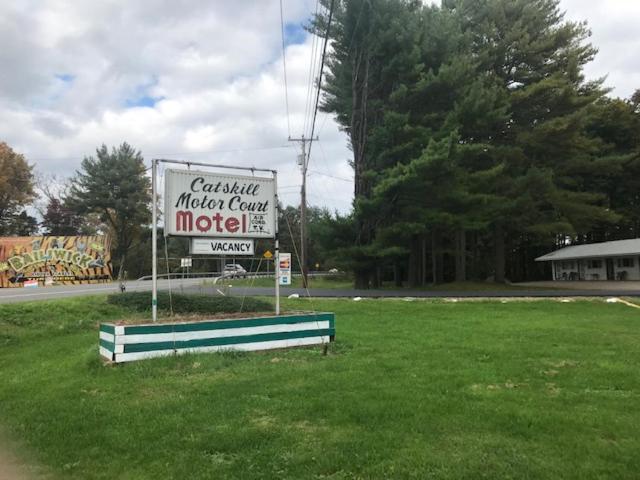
125	343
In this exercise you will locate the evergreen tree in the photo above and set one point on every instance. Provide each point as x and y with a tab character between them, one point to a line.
373	45
534	59
115	186
59	219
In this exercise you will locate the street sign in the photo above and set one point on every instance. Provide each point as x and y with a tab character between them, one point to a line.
221	246
284	266
268	255
205	204
185	262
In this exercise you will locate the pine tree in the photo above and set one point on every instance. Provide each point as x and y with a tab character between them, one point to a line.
115	186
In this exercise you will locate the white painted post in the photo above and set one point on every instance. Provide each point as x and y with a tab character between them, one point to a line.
277	246
154	243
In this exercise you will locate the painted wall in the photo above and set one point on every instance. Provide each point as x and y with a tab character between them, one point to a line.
565	270
585	270
126	343
632	271
594	273
63	260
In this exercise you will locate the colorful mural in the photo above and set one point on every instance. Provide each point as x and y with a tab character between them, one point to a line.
58	260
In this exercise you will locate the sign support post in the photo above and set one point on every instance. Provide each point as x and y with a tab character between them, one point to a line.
277	246
249	219
154	242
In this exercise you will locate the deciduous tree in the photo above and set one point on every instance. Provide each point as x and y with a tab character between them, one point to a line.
16	188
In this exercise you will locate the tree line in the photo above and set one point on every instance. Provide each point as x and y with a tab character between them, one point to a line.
478	143
111	194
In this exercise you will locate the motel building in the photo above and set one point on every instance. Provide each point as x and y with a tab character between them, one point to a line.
617	260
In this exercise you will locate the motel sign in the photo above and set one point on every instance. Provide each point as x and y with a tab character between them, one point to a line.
203	204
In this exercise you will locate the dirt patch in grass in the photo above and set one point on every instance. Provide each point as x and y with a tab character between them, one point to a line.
14	468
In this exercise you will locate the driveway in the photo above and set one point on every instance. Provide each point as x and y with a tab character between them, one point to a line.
600	286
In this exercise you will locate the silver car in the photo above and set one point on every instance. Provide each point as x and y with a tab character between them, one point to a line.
233	270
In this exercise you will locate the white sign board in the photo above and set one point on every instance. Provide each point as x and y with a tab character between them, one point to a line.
221	246
284	267
185	262
204	204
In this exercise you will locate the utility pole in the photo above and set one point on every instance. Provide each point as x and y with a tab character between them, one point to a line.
304	163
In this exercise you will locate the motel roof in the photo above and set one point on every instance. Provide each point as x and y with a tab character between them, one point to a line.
617	248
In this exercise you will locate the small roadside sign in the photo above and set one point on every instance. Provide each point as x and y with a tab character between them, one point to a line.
222	246
284	267
185	262
268	255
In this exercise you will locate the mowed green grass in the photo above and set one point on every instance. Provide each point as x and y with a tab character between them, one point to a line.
332	282
409	390
342	282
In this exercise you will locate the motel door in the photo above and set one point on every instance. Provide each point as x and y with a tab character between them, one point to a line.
610	275
581	274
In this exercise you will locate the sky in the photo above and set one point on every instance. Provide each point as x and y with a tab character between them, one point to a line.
202	80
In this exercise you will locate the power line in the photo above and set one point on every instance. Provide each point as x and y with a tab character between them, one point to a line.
315	172
312	64
284	67
158	154
324	157
324	55
305	153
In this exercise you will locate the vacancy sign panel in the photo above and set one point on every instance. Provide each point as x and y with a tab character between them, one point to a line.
222	246
204	204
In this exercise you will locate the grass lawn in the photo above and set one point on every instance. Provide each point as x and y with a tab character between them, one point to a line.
342	282
314	282
409	390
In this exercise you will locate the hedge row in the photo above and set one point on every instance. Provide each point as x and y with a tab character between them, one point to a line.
188	303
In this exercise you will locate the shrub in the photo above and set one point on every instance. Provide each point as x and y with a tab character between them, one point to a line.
189	303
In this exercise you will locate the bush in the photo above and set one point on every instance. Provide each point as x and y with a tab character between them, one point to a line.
187	303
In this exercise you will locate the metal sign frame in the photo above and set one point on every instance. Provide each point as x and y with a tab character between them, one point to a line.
154	221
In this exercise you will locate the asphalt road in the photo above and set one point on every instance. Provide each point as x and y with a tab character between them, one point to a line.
9	295
334	293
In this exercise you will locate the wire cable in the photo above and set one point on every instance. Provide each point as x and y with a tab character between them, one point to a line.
312	64
284	68
315	172
306	287
324	55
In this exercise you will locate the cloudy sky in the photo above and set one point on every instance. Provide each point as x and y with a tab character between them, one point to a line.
202	80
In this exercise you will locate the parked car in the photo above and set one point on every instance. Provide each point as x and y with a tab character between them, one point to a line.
234	270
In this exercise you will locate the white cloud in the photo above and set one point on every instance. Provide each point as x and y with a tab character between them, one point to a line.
614	28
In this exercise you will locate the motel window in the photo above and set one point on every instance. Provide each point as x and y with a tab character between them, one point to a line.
594	264
625	262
